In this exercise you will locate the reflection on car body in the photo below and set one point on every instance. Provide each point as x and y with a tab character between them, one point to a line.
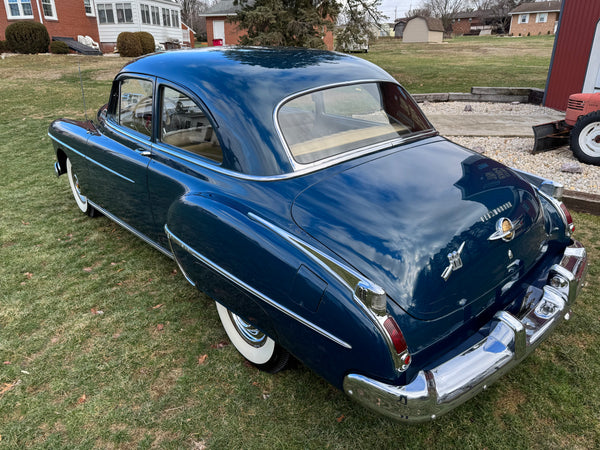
308	195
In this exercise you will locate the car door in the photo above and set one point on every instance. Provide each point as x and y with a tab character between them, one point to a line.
120	154
185	154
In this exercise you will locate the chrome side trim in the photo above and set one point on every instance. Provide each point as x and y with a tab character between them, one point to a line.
343	273
129	228
93	161
510	339
245	286
350	278
549	187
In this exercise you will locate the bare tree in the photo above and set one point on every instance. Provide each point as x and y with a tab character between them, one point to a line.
190	10
444	10
359	19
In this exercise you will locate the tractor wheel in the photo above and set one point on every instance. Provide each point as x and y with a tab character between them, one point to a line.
585	138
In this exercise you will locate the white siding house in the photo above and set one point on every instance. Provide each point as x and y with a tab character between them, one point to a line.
161	18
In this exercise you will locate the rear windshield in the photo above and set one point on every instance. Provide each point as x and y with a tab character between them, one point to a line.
341	119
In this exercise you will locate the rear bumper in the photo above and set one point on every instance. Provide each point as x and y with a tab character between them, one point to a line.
510	340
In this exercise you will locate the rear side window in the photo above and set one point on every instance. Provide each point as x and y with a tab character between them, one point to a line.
184	125
135	105
342	119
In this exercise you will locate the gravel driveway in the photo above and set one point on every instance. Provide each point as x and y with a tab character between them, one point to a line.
514	151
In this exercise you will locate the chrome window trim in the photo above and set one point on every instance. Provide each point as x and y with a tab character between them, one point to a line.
243	285
90	159
344	156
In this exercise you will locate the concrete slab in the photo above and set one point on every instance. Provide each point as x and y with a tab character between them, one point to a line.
473	124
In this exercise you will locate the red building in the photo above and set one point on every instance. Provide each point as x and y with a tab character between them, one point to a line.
575	64
220	30
64	18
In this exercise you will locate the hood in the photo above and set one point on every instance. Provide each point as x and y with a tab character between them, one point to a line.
398	218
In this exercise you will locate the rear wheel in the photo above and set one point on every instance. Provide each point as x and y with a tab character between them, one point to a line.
585	138
253	344
80	199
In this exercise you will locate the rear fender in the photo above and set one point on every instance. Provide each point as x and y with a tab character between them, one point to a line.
228	254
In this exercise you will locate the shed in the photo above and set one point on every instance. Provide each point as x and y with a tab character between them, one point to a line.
575	63
423	29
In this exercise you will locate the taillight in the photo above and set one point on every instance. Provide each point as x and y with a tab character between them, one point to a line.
567	214
395	334
398	340
373	299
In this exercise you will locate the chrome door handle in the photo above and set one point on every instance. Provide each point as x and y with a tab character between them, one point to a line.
143	152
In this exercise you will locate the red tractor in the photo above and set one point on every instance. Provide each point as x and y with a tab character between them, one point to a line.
581	126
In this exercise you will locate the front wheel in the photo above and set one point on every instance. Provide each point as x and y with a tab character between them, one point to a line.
253	344
80	199
585	138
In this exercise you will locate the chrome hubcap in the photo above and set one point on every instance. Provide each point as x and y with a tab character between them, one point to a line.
248	332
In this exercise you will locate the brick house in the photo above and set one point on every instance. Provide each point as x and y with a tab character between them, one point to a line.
535	18
67	18
221	31
102	20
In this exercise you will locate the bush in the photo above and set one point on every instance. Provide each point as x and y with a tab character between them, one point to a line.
59	48
27	37
3	47
146	41
128	45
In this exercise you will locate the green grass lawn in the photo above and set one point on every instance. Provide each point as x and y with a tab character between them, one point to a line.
460	63
103	344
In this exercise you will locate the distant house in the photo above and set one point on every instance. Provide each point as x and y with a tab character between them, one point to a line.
220	30
535	18
161	18
575	64
102	21
423	29
478	22
64	18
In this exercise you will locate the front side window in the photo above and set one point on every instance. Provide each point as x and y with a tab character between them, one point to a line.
135	105
48	8
105	13
184	125
145	12
342	119
524	18
124	13
19	9
542	18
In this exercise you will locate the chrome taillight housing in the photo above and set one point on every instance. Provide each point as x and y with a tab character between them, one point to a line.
373	300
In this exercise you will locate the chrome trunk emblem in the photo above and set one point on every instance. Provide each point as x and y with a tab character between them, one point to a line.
505	230
455	262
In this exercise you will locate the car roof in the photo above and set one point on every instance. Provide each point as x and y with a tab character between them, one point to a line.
242	86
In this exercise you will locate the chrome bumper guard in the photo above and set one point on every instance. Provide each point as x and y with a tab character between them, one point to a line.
437	391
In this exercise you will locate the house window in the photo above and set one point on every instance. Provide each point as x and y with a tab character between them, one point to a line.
48	8
175	19
89	8
19	9
105	13
166	17
524	18
155	15
542	17
145	10
124	13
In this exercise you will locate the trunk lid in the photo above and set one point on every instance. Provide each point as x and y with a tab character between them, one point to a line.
398	219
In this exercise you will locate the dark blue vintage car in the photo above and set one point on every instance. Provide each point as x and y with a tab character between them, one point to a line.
307	194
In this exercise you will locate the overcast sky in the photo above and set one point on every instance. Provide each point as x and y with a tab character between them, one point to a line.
397	8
